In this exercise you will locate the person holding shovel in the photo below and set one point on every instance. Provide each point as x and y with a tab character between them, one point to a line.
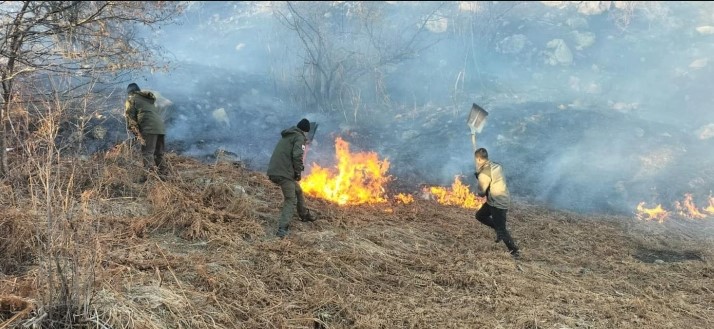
492	185
285	170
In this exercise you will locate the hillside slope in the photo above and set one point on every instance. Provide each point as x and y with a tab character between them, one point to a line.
199	251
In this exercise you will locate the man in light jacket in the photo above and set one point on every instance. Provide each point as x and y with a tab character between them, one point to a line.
492	185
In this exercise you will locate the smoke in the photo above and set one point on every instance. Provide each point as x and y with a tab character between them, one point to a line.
590	109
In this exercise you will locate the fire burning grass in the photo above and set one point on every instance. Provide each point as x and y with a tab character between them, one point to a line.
184	253
688	209
657	213
685	208
458	195
404	198
361	178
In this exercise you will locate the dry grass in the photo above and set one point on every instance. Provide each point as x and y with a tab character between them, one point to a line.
13	308
199	251
18	239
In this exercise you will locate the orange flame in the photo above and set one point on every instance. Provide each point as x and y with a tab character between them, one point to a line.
359	178
404	198
459	195
710	208
687	208
656	213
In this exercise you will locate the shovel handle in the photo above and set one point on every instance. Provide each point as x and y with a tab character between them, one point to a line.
473	144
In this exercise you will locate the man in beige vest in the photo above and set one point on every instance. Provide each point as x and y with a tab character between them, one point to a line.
492	185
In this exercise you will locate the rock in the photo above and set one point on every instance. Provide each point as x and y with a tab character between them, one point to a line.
658	261
576	23
699	63
561	54
221	116
705	132
705	30
593	7
583	39
513	44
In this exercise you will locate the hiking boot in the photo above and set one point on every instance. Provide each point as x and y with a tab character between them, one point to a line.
515	254
308	217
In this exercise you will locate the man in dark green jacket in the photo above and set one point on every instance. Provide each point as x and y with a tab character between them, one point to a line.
285	170
492	185
144	121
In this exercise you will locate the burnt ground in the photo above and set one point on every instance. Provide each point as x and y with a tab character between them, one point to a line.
199	251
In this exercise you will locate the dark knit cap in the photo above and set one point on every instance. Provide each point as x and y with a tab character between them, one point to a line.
132	87
304	125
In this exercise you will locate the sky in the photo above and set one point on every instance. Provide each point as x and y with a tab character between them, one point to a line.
590	108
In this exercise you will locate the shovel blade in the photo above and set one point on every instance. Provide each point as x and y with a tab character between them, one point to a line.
311	134
477	119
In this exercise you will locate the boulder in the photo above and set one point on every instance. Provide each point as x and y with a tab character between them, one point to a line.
705	132
561	54
513	44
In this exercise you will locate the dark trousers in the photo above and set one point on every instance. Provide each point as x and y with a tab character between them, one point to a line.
292	197
495	218
152	153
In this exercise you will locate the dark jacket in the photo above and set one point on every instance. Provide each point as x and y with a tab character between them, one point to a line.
141	114
286	160
492	185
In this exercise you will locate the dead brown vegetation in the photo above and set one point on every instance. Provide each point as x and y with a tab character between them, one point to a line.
198	251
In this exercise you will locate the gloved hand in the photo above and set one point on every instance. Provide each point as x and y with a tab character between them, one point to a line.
297	177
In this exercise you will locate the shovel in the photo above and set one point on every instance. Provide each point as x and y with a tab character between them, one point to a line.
476	121
310	136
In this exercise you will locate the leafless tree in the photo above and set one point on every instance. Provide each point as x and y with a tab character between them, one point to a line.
477	24
346	41
54	58
83	38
